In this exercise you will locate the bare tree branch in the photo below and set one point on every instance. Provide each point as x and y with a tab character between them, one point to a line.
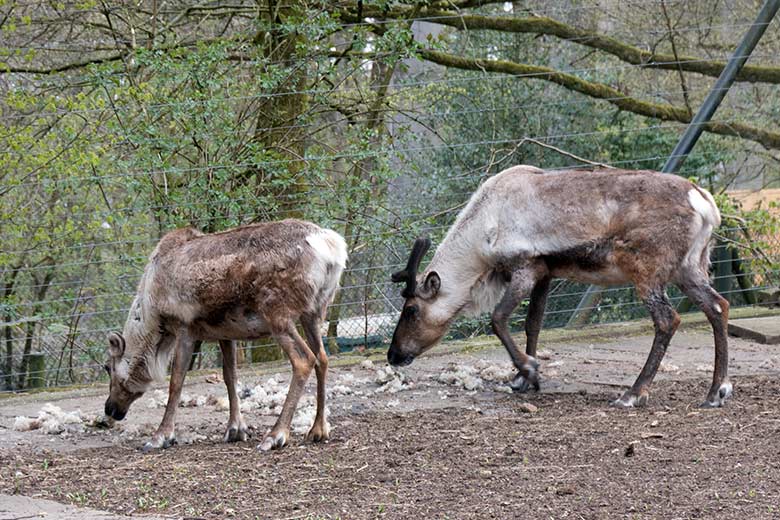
621	50
769	140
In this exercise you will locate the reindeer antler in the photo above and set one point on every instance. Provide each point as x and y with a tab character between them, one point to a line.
409	275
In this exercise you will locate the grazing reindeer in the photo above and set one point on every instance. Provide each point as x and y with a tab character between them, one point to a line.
525	226
241	284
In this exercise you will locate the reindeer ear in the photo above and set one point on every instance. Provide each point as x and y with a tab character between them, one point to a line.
116	345
431	286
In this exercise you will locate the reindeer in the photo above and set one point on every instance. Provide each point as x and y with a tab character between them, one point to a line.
241	284
525	226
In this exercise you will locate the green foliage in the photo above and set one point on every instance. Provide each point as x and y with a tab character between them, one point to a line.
224	119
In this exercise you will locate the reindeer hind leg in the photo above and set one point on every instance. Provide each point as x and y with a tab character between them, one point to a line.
236	429
533	320
311	327
716	308
666	321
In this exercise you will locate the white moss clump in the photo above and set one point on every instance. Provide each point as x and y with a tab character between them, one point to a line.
222	403
668	367
391	380
497	373
464	376
157	399
51	420
346	384
267	398
304	418
25	424
477	376
194	401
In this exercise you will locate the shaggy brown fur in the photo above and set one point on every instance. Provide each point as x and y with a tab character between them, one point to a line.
603	226
240	284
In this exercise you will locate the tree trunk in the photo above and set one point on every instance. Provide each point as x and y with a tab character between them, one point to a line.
8	365
748	292
37	370
43	288
8	331
277	125
28	341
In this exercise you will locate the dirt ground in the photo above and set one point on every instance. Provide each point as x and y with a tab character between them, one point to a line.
430	447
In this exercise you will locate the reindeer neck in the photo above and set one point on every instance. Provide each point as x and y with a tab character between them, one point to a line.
460	264
143	336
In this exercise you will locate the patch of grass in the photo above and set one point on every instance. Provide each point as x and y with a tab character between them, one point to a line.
77	498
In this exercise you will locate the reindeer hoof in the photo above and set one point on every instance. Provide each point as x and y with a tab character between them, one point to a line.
527	377
318	434
273	442
159	442
629	400
236	434
719	398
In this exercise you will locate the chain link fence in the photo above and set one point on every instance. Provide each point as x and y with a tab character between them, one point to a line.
99	159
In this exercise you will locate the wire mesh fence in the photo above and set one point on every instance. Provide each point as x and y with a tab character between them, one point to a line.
101	156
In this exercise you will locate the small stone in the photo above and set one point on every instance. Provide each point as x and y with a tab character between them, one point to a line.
528	408
565	490
485	472
213	379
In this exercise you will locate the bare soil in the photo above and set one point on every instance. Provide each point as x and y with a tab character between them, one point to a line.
573	458
435	450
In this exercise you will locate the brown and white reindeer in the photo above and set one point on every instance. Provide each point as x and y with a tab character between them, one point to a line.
525	226
240	284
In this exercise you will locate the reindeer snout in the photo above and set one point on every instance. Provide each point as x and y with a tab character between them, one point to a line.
397	359
112	410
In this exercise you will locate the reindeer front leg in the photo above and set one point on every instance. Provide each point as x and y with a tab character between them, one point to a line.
302	360
165	437
236	429
522	283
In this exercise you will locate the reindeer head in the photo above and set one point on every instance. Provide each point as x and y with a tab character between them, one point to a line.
419	327
122	390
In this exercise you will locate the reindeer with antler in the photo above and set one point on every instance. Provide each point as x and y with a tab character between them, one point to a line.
525	226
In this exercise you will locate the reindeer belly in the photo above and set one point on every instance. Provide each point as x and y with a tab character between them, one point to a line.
240	323
591	263
610	275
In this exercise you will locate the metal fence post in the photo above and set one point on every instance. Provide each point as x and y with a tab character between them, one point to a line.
722	86
696	126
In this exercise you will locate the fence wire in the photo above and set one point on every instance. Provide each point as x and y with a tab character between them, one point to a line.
69	276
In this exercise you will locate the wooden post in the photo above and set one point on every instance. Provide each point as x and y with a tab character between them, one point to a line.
266	350
36	365
744	280
723	270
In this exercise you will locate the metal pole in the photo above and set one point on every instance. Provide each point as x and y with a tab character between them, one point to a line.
721	88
